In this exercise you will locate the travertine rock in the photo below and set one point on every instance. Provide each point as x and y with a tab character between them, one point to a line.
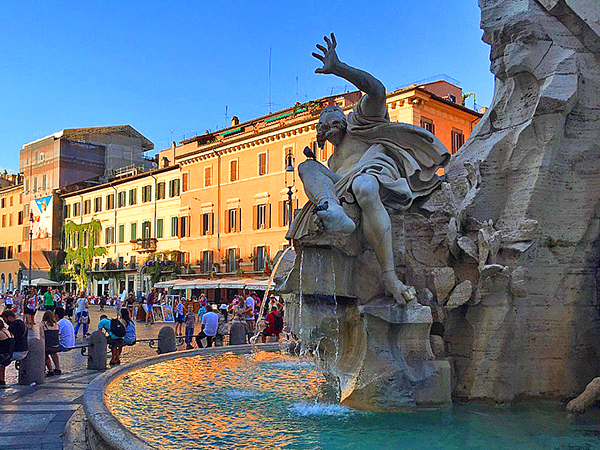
460	295
437	346
443	282
587	398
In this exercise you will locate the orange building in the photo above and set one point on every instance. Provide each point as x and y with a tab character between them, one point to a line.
234	187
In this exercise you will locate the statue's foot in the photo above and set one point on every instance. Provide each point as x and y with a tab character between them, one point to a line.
334	219
402	293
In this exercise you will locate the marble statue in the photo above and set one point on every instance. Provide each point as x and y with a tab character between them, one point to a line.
504	254
375	164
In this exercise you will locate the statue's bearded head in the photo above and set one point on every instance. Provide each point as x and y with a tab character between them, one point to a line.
332	126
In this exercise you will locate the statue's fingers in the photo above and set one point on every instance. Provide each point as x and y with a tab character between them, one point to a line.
328	41
320	47
319	57
319	70
333	39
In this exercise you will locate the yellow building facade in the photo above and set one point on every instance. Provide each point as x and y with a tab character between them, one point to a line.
11	236
140	219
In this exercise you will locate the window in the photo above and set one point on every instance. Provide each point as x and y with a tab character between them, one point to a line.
184	181
76	209
2	202
110	201
87	207
20	218
207	223
185	226
207	261
121	262
86	238
322	152
174	226
133	231
207	176
109	236
233	170
233	254
262	216
458	139
261	257
27	186
121	199
262	163
10	200
174	188
44	182
146	230
428	124
121	233
232	220
35	184
159	228
3	220
19	248
160	191
97	204
20	198
146	193
10	220
132	196
10	253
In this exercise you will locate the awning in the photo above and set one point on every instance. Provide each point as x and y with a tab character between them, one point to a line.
222	283
41	282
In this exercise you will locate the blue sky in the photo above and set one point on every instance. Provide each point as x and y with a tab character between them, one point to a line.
170	68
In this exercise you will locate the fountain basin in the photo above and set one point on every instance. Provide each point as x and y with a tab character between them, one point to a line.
227	398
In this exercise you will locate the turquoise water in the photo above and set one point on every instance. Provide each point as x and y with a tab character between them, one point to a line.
269	401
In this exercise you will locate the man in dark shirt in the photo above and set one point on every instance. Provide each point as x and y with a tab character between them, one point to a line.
19	331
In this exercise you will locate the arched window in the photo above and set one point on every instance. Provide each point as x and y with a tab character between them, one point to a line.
2	283
11	285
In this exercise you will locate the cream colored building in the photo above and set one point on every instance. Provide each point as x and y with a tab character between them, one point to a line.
141	220
11	235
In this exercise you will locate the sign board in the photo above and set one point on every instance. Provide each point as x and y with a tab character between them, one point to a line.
41	208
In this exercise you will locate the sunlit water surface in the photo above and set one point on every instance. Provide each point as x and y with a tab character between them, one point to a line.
269	401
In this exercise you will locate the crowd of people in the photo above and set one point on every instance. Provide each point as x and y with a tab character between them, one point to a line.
65	314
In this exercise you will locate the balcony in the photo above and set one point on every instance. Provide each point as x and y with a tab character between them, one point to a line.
144	245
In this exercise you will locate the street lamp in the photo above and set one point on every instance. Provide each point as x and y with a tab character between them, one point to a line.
290	180
30	245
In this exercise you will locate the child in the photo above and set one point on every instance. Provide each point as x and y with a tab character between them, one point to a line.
189	327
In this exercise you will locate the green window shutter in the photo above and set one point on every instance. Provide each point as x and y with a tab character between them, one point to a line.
133	230
121	234
159	228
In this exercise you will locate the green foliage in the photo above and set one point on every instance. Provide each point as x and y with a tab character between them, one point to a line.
78	261
162	263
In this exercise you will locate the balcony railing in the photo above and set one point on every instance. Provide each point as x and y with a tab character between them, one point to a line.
144	245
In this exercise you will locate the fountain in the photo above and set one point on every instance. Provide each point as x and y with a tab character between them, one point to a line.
413	290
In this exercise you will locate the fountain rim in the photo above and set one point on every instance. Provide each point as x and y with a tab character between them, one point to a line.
108	427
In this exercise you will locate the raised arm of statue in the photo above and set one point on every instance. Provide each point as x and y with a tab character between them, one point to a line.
374	103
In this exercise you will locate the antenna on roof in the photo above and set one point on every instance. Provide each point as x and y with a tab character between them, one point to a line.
270	49
226	118
297	96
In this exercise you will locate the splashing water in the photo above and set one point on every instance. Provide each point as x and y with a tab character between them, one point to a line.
305	409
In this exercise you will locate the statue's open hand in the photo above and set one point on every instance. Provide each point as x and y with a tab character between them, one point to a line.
329	58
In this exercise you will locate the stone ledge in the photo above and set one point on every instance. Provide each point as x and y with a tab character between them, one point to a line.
112	432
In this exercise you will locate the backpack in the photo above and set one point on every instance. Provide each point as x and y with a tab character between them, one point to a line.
278	322
117	328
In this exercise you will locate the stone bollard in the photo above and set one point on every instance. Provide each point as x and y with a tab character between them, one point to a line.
166	340
237	334
97	351
32	367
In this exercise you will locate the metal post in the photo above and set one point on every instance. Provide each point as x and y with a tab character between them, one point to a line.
290	209
30	246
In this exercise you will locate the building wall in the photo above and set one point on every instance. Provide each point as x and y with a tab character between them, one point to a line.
152	211
11	235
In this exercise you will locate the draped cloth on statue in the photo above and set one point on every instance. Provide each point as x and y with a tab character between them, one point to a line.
403	158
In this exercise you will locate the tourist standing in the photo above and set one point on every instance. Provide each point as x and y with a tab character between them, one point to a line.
190	322
150	303
179	317
82	306
201	311
49	331
29	309
18	330
208	328
250	315
48	300
69	306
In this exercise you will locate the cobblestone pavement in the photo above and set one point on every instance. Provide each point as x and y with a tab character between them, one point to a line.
34	417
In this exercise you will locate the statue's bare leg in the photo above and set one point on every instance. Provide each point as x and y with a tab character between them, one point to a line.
319	187
378	231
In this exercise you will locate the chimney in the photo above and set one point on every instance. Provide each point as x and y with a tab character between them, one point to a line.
235	121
